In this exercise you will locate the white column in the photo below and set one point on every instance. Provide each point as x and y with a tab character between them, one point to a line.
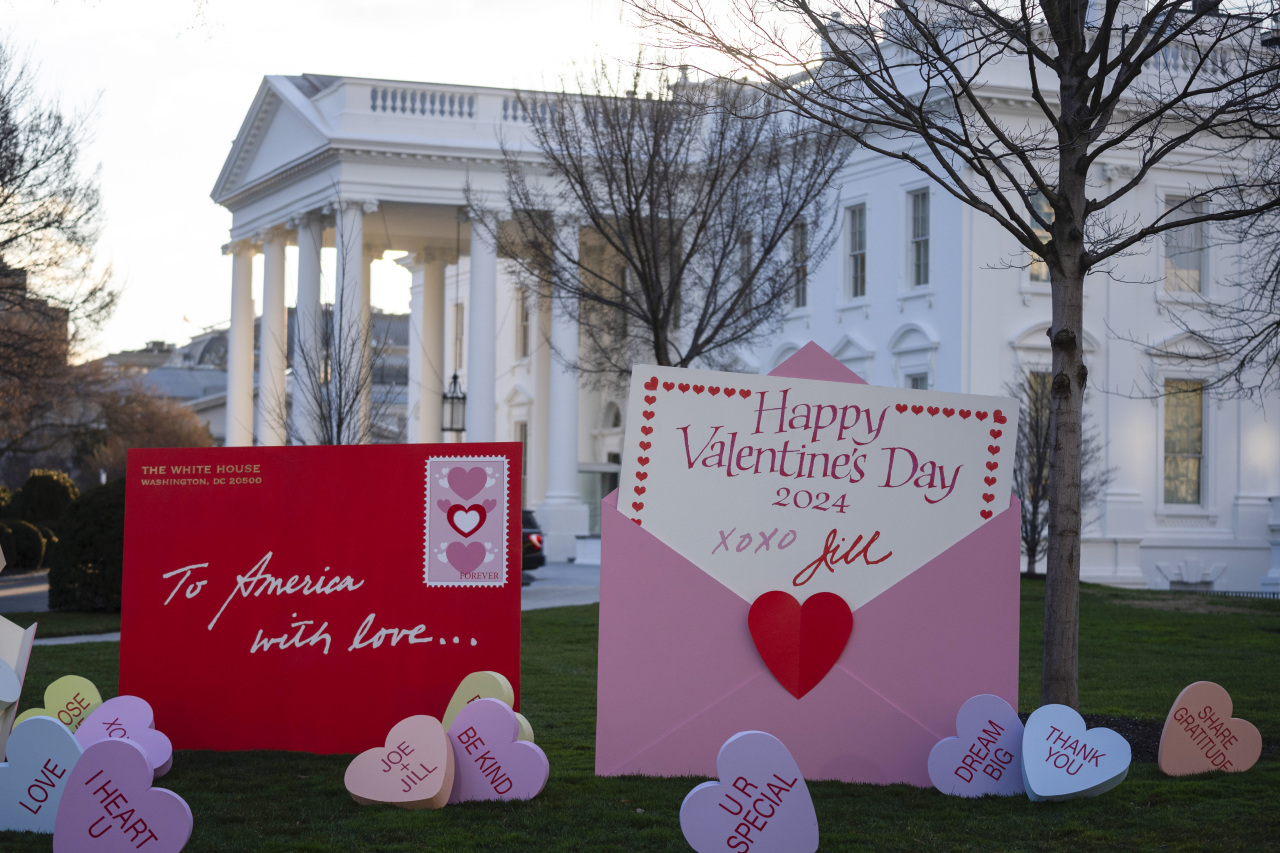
481	335
563	515
240	346
307	319
426	345
272	342
350	334
366	368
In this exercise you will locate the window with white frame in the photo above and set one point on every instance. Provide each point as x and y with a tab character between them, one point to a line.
1183	441
857	252
800	264
1184	251
1039	270
918	382
919	237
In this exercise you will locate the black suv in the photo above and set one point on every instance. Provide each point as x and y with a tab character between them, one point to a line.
531	542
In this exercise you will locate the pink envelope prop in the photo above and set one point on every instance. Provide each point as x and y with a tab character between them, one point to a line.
679	674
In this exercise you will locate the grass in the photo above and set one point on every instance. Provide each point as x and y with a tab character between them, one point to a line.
60	624
1137	651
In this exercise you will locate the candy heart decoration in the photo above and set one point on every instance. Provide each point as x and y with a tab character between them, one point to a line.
413	771
798	643
478	685
466	519
488	684
1060	760
42	752
467	482
986	755
492	764
109	805
131	718
1201	735
761	802
70	699
10	686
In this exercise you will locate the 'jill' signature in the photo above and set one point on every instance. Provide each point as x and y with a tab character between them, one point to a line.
831	555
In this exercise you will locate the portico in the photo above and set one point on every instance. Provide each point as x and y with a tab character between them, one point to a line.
365	168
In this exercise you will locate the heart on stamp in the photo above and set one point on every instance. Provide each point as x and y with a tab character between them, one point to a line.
491	762
1062	761
800	643
985	757
465	556
761	802
467	482
70	699
466	519
113	779
1201	735
130	718
42	752
413	770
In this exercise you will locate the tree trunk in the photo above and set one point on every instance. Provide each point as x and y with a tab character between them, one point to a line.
1059	676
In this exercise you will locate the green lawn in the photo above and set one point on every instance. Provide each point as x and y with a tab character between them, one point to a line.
1137	651
59	624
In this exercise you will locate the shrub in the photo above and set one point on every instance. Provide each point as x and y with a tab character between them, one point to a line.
27	552
45	496
86	565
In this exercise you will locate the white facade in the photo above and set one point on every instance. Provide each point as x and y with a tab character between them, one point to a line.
327	161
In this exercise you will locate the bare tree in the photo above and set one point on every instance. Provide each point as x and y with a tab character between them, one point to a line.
1069	103
50	297
700	211
131	416
1033	457
344	394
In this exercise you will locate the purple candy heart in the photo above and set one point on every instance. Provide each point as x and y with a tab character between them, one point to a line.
465	557
761	801
489	762
129	718
467	482
985	757
109	805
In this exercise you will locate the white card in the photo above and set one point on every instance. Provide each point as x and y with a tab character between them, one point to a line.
773	483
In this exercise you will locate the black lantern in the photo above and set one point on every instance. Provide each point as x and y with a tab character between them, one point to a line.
453	414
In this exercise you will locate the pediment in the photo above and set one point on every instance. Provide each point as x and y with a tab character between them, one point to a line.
282	127
852	347
1035	338
1183	347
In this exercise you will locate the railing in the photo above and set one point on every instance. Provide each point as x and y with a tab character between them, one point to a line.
422	102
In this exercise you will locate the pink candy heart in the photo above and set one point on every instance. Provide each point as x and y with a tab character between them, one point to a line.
413	771
109	805
761	802
128	717
42	751
986	757
491	764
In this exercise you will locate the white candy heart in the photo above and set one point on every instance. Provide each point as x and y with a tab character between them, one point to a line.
1061	760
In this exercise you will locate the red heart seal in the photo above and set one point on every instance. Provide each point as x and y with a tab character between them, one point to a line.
472	518
799	643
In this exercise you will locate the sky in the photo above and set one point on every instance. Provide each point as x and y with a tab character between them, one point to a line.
170	81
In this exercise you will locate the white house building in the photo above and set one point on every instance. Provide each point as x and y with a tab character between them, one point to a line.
917	293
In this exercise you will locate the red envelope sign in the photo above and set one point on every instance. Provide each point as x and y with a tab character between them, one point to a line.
309	598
